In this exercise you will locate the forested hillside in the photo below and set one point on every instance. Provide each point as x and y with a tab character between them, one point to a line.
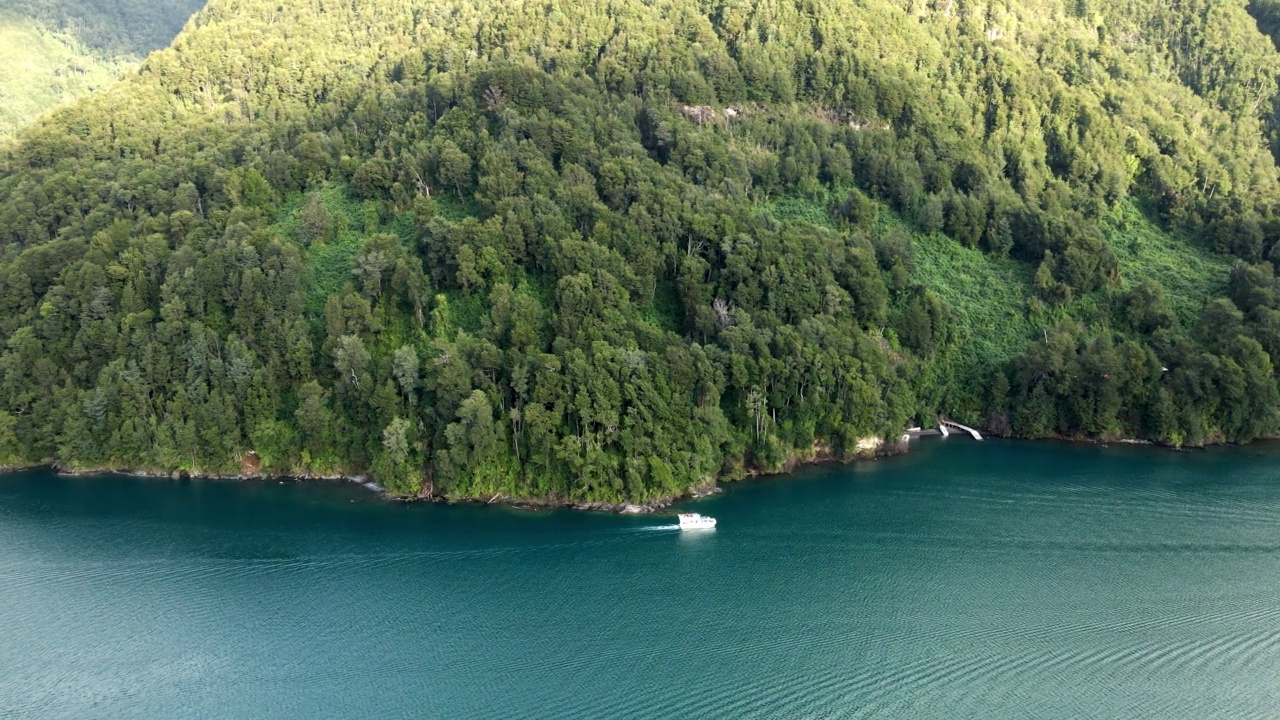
53	51
585	250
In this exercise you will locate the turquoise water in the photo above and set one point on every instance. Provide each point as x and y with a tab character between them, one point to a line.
966	580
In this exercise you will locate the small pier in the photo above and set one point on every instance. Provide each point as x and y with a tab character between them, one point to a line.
921	432
944	424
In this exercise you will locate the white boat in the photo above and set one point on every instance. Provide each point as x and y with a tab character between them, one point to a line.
694	521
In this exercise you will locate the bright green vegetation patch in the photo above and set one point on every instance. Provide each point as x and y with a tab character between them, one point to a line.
330	266
402	227
336	199
1189	272
397	331
330	260
986	294
456	209
792	208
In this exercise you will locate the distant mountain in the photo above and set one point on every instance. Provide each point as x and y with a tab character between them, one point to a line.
601	251
58	50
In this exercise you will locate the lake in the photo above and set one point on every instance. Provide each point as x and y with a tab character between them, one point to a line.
964	580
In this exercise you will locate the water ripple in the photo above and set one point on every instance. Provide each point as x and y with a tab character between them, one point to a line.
966	581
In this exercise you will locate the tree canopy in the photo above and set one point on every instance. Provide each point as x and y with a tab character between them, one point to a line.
589	250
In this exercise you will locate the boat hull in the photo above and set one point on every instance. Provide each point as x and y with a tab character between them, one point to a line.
698	524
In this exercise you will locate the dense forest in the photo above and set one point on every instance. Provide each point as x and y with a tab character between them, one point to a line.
54	51
590	250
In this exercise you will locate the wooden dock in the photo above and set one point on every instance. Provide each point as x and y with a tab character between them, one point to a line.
943	424
921	432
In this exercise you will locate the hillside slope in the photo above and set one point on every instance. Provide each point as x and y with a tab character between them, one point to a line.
602	251
54	51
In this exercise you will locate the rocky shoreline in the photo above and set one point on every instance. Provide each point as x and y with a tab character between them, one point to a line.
622	508
186	474
868	448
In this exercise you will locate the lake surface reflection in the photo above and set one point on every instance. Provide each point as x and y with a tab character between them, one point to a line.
965	580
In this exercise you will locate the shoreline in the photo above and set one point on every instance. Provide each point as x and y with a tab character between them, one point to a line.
821	454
